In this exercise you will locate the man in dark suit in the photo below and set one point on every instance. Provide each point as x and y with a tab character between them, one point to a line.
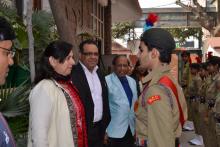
92	87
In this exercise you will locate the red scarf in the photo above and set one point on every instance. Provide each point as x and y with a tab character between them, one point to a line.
80	113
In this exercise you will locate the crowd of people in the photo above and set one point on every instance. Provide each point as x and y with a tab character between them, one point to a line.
201	82
76	105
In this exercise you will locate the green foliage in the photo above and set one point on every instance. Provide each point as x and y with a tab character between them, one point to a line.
14	100
119	30
14	106
19	127
44	31
17	23
183	33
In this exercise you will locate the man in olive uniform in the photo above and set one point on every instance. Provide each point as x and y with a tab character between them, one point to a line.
202	127
194	86
217	116
185	74
213	68
161	108
196	81
204	77
211	93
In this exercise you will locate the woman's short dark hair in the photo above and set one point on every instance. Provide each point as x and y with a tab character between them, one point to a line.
88	41
56	49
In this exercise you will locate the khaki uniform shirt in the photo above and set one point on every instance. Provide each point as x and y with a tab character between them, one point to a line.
203	87
194	85
157	113
216	109
185	79
211	91
185	75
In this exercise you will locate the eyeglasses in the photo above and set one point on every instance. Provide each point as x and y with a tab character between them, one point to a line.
89	54
122	65
9	53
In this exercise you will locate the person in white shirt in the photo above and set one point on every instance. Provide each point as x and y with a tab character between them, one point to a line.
91	84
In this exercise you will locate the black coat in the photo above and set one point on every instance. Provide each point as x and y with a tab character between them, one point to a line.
81	83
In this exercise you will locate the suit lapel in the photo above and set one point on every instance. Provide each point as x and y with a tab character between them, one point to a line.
118	84
132	89
104	89
101	78
84	83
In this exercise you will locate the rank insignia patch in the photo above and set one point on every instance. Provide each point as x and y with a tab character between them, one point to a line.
152	99
136	106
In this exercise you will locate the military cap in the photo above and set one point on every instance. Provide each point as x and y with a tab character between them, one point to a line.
204	65
6	30
214	60
195	66
159	38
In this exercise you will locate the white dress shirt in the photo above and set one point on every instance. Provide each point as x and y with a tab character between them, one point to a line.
96	91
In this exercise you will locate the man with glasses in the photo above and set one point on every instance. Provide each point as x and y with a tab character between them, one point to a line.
92	87
122	92
6	59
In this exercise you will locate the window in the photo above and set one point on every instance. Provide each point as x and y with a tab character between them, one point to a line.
37	4
98	22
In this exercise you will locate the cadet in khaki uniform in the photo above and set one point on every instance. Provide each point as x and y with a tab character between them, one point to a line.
202	94
194	85
207	83
185	74
211	93
196	81
157	112
213	68
204	75
216	110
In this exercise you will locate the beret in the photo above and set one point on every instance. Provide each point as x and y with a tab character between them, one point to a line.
213	60
6	30
159	38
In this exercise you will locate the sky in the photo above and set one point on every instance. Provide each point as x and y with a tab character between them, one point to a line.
153	4
158	3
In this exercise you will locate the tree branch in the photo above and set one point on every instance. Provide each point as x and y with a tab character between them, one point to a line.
201	15
30	38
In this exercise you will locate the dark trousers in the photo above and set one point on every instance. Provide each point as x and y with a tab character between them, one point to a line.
96	143
95	138
126	141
